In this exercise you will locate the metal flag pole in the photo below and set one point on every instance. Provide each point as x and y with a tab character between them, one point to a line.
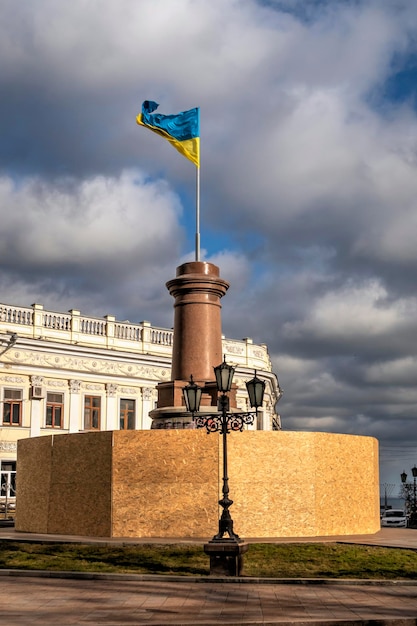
197	216
197	200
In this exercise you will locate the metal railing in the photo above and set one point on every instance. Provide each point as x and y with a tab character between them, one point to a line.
7	492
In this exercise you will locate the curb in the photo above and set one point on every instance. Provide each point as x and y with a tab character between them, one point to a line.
21	573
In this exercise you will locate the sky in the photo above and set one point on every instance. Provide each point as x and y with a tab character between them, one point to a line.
308	184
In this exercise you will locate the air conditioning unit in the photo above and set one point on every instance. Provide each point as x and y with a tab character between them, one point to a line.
38	393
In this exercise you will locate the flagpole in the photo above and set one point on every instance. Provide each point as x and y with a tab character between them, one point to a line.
197	199
197	216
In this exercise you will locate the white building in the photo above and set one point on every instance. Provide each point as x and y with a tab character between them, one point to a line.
66	373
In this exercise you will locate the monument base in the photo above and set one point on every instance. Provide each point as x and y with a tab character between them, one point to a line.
170	412
171	418
166	483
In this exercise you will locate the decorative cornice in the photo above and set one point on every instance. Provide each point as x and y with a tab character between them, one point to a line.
8	446
258	353
233	349
82	364
92	387
14	379
56	383
130	391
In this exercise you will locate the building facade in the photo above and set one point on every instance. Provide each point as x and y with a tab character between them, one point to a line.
67	373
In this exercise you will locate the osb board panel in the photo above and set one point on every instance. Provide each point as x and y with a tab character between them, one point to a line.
165	483
289	484
347	496
80	492
271	481
33	484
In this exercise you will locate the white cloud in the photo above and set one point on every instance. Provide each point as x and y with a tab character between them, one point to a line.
104	245
402	371
99	219
354	310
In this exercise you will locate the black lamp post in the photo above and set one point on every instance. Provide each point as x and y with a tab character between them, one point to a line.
406	491
414	472
224	422
413	500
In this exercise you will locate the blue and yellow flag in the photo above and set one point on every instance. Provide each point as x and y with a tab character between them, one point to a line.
181	130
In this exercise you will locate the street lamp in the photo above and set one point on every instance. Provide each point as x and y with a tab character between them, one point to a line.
192	396
224	422
407	491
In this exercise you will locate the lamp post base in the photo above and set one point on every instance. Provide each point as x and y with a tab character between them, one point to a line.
226	556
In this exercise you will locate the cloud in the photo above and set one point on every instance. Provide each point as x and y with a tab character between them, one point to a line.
83	238
363	312
98	220
401	371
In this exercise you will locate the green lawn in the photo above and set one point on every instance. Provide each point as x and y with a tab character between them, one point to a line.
315	560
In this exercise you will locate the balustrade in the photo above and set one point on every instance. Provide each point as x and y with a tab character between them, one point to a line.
56	322
38	323
15	315
92	327
162	337
130	333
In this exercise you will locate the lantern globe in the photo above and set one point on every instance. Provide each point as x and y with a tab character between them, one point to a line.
256	390
403	477
192	396
224	376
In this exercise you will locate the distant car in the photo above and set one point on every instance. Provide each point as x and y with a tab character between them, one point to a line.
394	518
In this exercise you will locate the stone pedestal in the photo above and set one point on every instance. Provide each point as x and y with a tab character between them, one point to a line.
197	347
226	556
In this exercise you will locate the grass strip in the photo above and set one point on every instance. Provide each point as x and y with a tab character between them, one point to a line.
329	560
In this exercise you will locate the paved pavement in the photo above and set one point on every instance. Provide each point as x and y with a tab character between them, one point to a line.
66	599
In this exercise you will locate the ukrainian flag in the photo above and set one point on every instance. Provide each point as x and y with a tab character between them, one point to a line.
181	130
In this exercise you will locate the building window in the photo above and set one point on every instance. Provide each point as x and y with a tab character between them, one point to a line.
12	407
92	406
8	479
54	410
127	414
